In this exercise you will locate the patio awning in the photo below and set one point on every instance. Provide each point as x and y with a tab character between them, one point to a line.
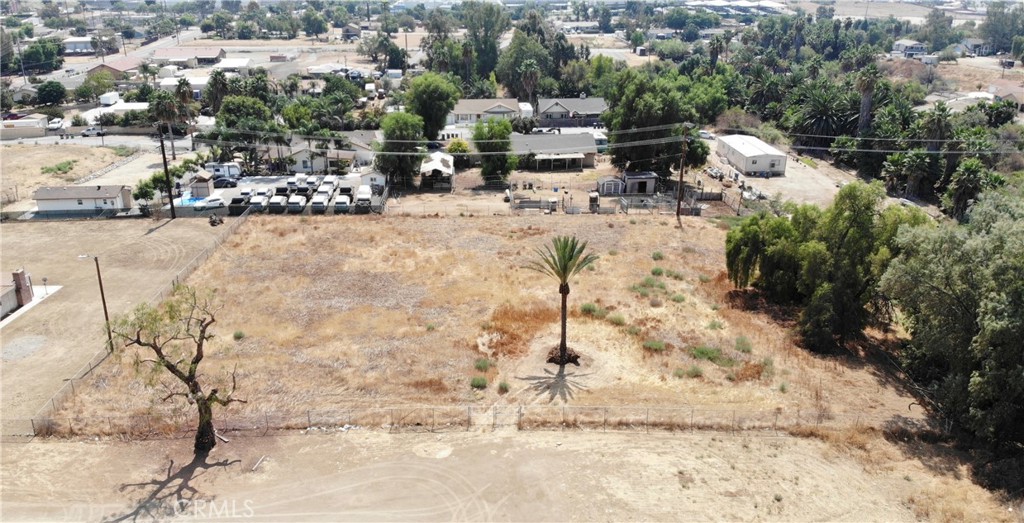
560	156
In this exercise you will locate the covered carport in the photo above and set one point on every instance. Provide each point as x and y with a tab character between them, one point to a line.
558	161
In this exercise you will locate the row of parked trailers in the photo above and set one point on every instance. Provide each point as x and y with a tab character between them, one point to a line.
320	195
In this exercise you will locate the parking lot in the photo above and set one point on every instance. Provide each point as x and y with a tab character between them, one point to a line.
249	187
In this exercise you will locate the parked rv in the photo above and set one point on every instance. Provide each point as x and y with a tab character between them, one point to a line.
221	170
363	198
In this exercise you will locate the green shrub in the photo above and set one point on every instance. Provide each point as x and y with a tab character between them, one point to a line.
79	121
743	345
617	319
503	387
654	345
783	388
703	278
768	368
239	335
632	222
678	298
633	330
589	308
60	168
657	256
715	325
657	271
613	252
712	354
431	327
482	364
679	373
478	382
694	372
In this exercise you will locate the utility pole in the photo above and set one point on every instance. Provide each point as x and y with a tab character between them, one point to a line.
682	169
167	172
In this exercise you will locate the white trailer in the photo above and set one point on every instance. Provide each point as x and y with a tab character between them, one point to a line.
751	156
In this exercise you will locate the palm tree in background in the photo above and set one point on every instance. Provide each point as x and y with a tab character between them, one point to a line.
563	259
866	81
216	90
163	108
529	74
186	101
148	72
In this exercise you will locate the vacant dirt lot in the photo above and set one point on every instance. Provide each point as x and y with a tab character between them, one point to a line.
53	340
22	166
397	311
371	476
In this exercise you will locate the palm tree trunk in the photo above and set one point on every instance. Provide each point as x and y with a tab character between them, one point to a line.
174	155
563	289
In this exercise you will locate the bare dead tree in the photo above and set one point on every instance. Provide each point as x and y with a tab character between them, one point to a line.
173	337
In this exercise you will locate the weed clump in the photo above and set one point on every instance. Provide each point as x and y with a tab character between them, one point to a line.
712	354
617	320
238	335
657	271
743	345
478	382
654	345
503	387
678	298
657	256
482	364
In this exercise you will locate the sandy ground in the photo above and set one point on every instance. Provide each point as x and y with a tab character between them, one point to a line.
372	476
53	340
21	166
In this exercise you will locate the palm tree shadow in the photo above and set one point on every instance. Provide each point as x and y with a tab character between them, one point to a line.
556	384
168	496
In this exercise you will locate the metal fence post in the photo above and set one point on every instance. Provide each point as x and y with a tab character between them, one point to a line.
469	416
604	423
494	417
309	420
691	419
734	422
433	415
33	422
519	424
73	391
775	424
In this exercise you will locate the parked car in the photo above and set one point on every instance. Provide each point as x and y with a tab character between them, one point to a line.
278	204
319	203
93	131
55	124
221	183
264	191
434	146
342	204
707	135
211	202
248	191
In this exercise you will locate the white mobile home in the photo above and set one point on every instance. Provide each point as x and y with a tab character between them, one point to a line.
750	155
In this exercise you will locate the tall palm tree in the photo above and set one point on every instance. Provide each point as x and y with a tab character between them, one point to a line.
216	89
715	48
866	81
185	98
529	74
148	71
163	108
563	259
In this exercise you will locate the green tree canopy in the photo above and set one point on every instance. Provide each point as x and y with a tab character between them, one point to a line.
51	93
398	157
432	97
961	291
491	138
237	108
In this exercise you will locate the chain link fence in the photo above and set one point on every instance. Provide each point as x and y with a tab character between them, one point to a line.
462	418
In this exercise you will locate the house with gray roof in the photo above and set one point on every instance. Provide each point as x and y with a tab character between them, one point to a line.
468	111
83	199
570	112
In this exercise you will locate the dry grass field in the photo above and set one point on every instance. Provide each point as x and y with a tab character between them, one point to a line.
363	311
23	166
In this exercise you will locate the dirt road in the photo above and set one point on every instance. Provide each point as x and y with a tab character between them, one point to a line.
540	476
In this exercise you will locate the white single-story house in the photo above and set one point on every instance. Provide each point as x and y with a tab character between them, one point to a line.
469	111
556	151
188	56
85	199
198	83
570	112
241	66
908	48
78	45
363	176
25	93
975	46
361	142
750	155
1012	90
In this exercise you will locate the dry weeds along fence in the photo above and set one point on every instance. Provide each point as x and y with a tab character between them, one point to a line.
464	418
16	427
